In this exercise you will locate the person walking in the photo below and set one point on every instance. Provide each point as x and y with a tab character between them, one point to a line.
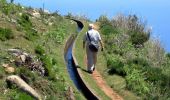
91	42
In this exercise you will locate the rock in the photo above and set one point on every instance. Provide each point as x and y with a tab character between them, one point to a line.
23	58
12	60
13	79
5	91
13	21
26	54
36	14
5	65
10	69
15	52
50	24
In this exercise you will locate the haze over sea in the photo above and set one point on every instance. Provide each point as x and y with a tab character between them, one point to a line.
155	12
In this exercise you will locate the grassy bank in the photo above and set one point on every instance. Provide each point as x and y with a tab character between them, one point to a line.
42	37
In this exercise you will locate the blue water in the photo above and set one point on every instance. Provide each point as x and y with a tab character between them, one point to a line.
71	68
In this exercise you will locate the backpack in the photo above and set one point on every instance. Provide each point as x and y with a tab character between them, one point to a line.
94	47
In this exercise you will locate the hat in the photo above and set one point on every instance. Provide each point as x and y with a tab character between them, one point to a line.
91	26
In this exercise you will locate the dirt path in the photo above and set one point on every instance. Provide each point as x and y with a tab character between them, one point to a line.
102	84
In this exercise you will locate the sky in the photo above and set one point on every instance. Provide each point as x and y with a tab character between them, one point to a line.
155	12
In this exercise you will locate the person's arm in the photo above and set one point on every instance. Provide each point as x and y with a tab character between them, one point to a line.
101	42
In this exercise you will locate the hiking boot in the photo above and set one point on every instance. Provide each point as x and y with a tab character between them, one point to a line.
94	68
90	72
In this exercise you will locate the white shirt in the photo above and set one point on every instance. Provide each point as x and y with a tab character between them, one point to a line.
94	36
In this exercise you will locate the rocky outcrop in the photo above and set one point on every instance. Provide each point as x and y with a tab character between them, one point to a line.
27	60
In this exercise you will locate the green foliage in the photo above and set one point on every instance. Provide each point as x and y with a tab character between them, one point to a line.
139	38
130	25
39	50
57	35
51	89
144	64
27	75
168	55
136	80
115	65
4	7
5	34
22	96
25	21
106	26
49	67
26	24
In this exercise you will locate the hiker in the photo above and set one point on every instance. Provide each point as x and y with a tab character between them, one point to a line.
91	41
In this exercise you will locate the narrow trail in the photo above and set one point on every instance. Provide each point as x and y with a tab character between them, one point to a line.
102	84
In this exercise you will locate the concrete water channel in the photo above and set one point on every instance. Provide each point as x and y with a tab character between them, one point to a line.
72	68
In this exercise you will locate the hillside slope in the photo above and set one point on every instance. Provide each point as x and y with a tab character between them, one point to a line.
38	38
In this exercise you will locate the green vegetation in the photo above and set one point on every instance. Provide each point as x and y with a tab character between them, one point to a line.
6	33
131	54
26	24
43	38
137	66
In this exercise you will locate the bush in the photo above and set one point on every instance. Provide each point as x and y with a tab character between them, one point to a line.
57	35
24	21
136	80
39	50
115	65
48	64
139	38
168	55
6	33
26	24
22	96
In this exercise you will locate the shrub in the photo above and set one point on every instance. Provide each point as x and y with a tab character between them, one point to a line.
6	33
115	65
26	24
136	80
39	50
168	55
155	53
57	35
48	64
139	38
31	35
139	61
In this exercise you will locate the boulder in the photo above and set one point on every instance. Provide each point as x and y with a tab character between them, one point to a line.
14	79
